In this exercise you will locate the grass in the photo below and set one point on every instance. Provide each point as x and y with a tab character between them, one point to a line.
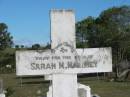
108	89
31	86
28	88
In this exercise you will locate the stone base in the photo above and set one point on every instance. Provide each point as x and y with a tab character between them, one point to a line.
2	95
83	91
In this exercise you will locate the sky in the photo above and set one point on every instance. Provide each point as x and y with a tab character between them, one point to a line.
28	21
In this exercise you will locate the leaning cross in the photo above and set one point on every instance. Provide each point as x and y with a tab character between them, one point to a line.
63	62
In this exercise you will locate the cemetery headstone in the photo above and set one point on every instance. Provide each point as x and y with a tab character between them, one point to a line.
2	94
84	91
1	86
63	62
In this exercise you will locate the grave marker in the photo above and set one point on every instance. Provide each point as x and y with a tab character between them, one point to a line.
2	94
63	61
89	60
1	86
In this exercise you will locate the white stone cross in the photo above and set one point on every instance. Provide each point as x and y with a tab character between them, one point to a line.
2	94
1	86
63	61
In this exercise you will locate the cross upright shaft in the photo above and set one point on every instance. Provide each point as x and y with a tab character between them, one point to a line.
62	28
63	31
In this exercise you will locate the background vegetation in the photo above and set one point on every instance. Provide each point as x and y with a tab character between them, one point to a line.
110	29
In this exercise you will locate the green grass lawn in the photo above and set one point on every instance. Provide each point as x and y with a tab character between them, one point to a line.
108	89
31	86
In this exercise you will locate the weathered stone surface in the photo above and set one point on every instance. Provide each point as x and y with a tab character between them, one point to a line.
84	91
65	85
49	93
49	62
1	86
62	27
64	61
64	57
2	95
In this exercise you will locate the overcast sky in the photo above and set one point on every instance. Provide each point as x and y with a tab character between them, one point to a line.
29	22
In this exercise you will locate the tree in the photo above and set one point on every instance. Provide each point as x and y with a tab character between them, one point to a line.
116	24
5	37
36	46
17	47
5	43
22	46
110	29
81	31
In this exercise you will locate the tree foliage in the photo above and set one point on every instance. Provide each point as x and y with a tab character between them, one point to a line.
36	46
110	29
5	37
6	56
40	47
